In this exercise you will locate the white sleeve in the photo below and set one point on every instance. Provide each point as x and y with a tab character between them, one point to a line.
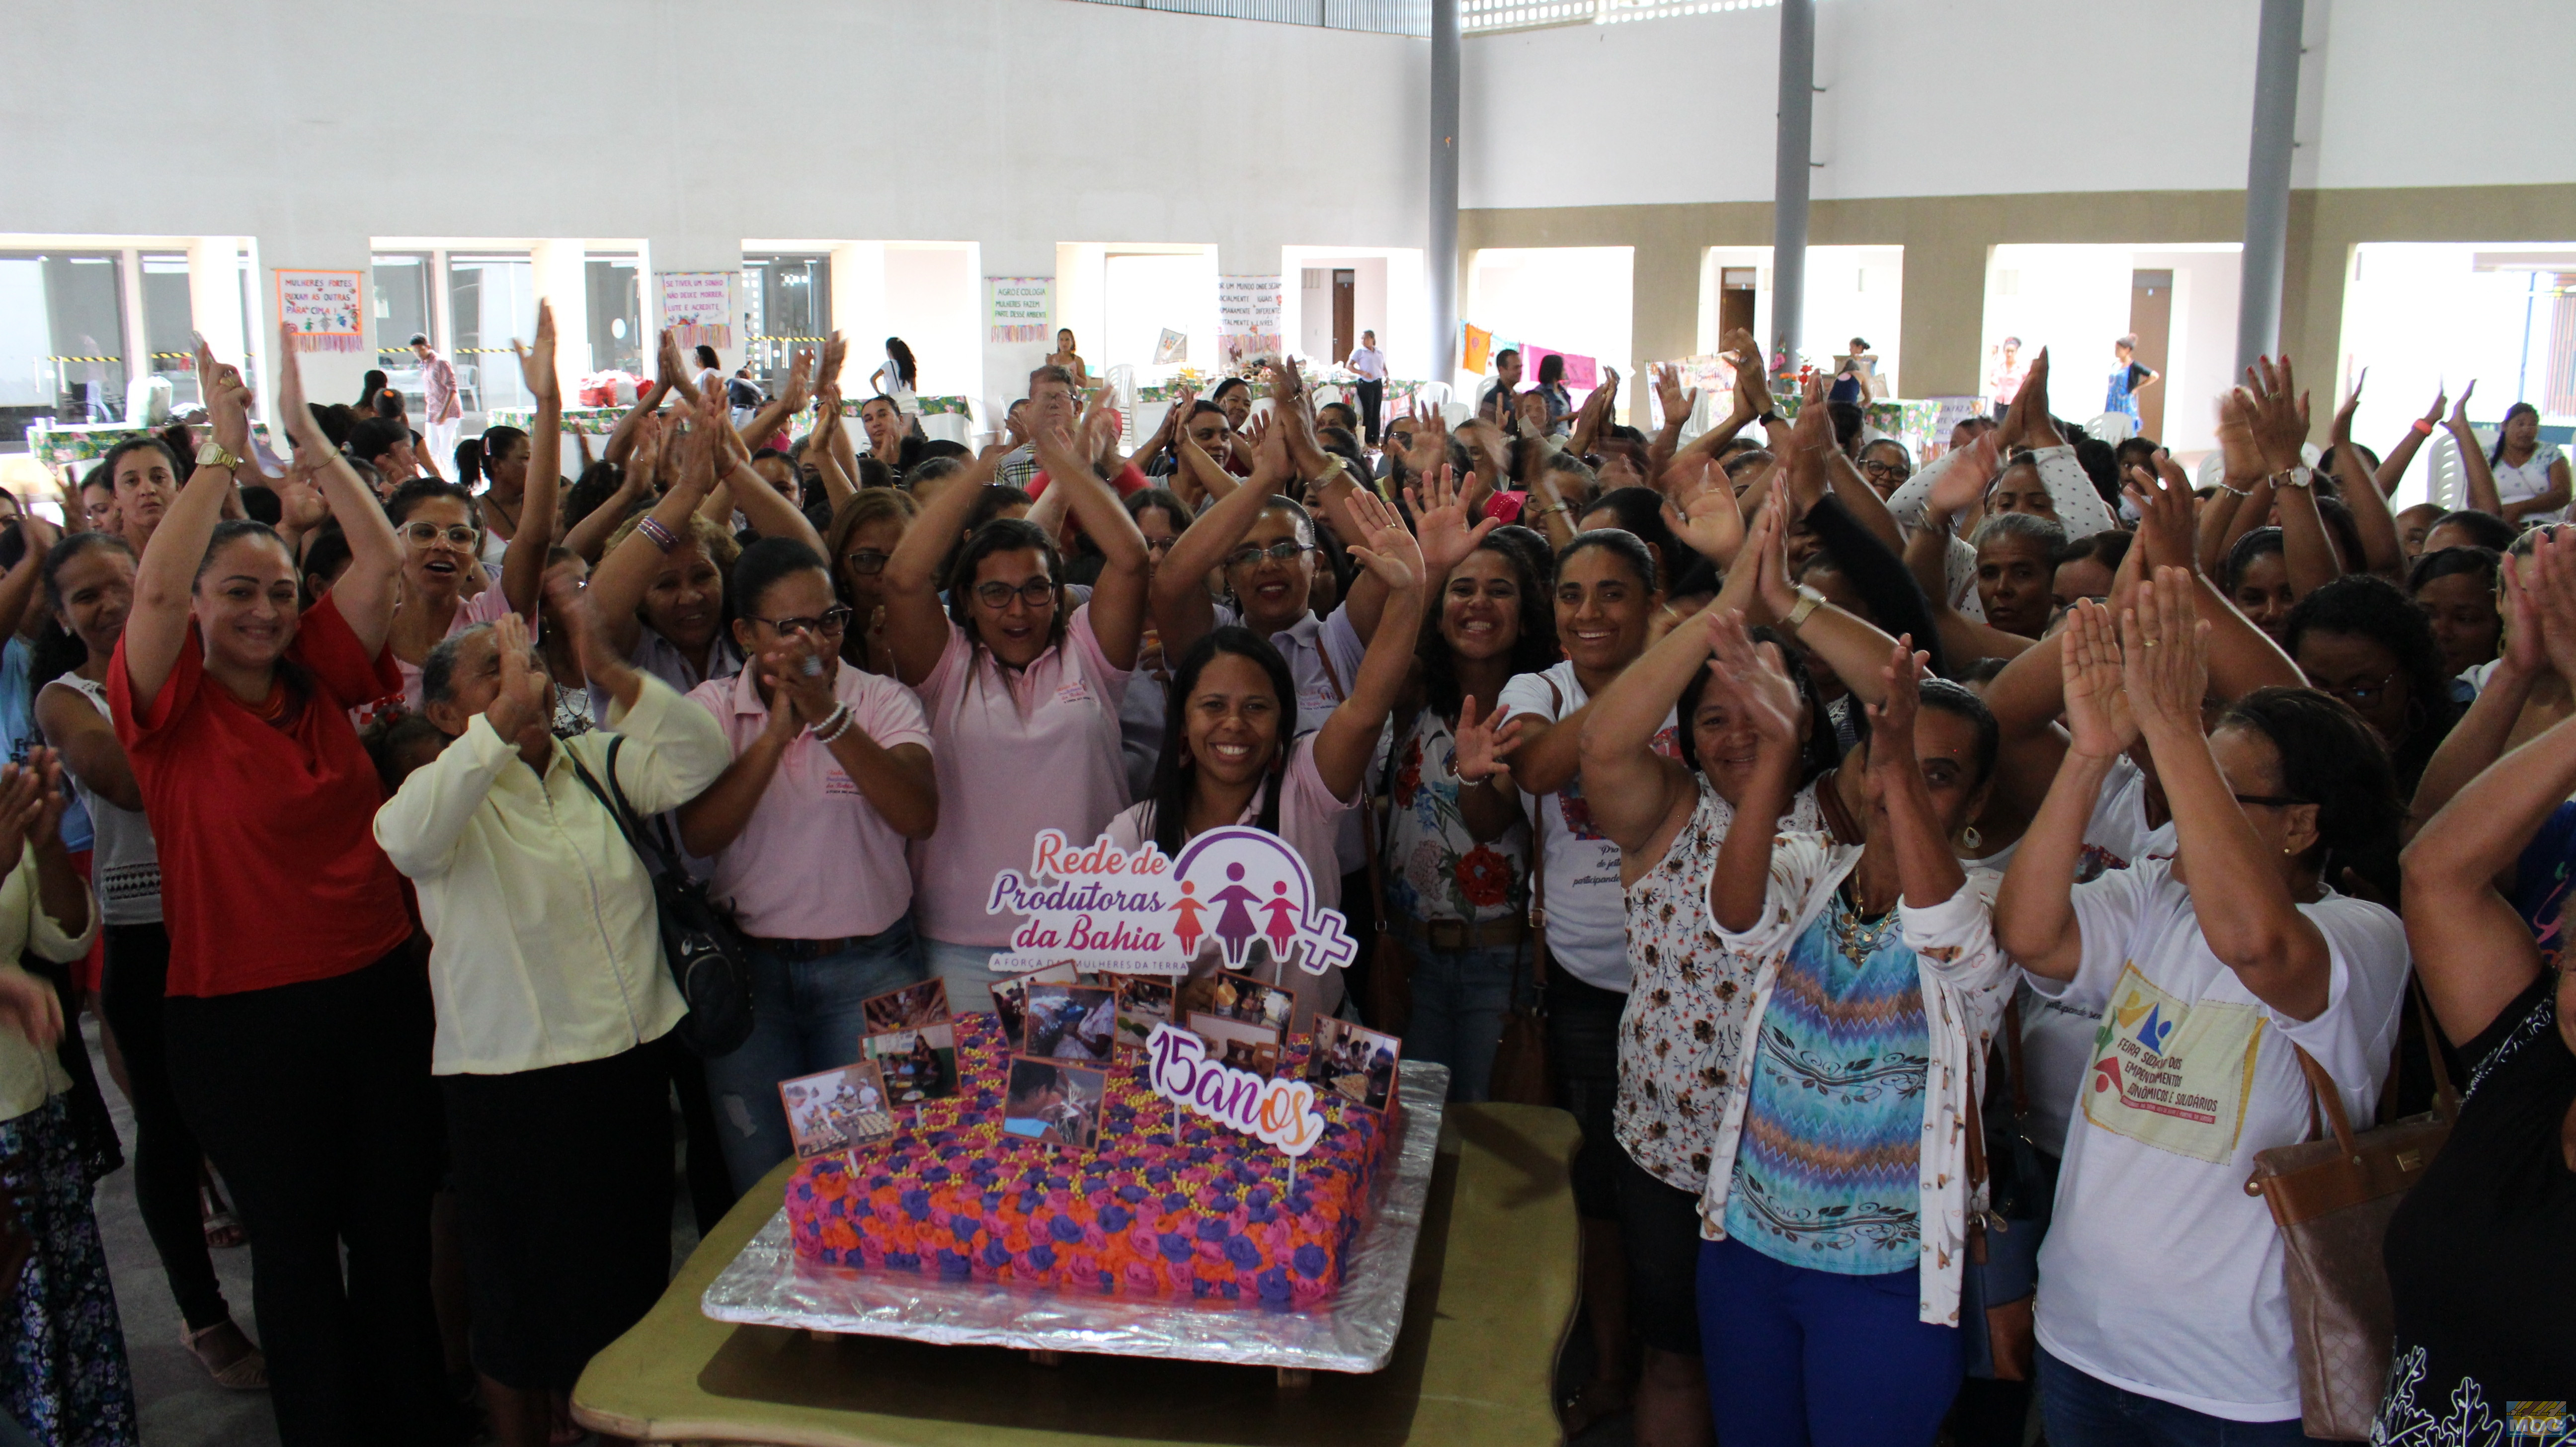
2107	913
1799	864
1957	936
1529	693
673	752
2353	1036
418	828
1908	502
1959	571
2070	490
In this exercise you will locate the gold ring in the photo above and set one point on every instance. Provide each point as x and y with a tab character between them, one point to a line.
2152	642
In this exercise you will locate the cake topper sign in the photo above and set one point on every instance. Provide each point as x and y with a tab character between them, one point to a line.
1281	1112
1147	913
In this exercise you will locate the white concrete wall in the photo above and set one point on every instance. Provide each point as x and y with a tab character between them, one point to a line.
1949	99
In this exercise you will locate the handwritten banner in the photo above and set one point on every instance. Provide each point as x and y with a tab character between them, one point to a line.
1020	307
697	306
1247	319
1146	913
323	308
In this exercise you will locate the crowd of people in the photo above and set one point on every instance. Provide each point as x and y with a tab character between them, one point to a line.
2095	821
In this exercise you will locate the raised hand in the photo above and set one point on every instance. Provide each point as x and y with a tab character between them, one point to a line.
1669	394
298	417
52	799
795	671
227	402
1429	451
2280	416
1440	512
2236	440
2099	724
29	1005
1768	548
2165	526
2164	649
1891	720
1962	484
1484	750
800	381
668	369
537	363
1701	509
2342	435
2459	423
22	801
1390	552
2548	580
2441	399
2027	421
1754	687
524	706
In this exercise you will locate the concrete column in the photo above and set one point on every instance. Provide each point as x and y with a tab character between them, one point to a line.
557	268
1789	182
695	251
135	339
328	376
1441	262
2267	181
215	295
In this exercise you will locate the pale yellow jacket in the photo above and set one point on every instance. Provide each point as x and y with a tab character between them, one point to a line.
29	1076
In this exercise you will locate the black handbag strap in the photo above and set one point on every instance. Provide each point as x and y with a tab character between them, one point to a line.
613	797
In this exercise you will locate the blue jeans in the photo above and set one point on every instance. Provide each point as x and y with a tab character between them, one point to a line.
805	1018
1459	999
969	972
1798	1356
2083	1411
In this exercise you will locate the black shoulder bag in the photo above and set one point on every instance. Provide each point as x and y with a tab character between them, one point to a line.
702	947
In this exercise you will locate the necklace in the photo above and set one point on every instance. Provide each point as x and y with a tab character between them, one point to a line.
1856	938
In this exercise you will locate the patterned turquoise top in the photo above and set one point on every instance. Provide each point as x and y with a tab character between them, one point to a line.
1826	1173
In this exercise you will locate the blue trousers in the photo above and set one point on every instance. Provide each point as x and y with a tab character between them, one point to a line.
806	1017
2084	1411
1459	1000
1798	1356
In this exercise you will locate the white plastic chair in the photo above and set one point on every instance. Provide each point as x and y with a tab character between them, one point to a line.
2113	427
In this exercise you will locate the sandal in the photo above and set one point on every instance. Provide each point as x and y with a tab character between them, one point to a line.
1592	1403
245	1372
223	1229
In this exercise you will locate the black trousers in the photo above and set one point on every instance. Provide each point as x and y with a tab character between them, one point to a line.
563	1193
315	1101
1372	399
165	1149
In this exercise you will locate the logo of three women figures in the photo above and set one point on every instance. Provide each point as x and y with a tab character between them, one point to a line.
1236	929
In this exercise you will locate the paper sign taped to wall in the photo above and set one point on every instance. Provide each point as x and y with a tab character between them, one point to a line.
1020	307
1247	320
697	306
322	306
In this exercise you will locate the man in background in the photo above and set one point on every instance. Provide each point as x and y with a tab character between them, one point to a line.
438	384
1370	364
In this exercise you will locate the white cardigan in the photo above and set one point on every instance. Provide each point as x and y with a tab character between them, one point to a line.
1966	978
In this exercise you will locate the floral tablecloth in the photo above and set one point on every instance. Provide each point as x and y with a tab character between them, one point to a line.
62	446
590	421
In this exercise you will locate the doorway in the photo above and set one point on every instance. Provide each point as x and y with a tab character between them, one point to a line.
2151	321
1735	285
1346	287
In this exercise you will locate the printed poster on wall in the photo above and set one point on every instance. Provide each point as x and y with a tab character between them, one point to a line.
1247	320
323	308
1020	307
697	306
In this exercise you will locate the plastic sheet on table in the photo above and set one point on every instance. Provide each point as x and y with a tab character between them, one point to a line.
1354	1332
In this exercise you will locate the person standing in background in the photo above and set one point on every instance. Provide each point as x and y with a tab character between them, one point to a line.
444	415
898	379
2128	379
1506	385
1370	364
2004	382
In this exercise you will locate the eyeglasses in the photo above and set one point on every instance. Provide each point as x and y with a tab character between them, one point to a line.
832	622
867	561
2270	801
1887	471
424	534
1036	593
2359	695
1157	547
1285	550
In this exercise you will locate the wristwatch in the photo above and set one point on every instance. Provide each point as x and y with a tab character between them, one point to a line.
1809	600
212	454
2293	477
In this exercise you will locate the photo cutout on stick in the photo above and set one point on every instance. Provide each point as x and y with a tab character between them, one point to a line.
1054	1102
1238	1043
919	1065
834	1110
1353	1062
1011	1008
1144	1001
911	1008
1231	996
1071	1022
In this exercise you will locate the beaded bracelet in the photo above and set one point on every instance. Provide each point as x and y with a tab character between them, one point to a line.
654	528
833	727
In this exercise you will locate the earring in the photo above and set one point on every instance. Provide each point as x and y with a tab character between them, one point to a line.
1971	838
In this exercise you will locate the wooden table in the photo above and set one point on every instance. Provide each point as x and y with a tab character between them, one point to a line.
1492	1298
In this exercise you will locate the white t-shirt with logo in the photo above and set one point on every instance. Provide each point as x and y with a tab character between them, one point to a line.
1587	911
2160	1275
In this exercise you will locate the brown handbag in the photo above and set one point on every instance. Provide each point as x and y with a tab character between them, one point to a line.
1520	1061
2332	1196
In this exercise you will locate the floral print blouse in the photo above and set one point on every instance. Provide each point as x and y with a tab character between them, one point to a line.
1435	869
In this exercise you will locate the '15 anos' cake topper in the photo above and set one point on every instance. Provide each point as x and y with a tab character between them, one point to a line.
1281	1112
1148	914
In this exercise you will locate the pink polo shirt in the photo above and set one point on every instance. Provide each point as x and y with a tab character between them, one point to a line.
1017	752
1310	820
488	606
816	861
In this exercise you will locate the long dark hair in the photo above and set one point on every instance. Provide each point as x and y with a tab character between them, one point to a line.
2496	453
2331	759
369	385
57	649
1173	768
904	368
2365	605
1533	652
